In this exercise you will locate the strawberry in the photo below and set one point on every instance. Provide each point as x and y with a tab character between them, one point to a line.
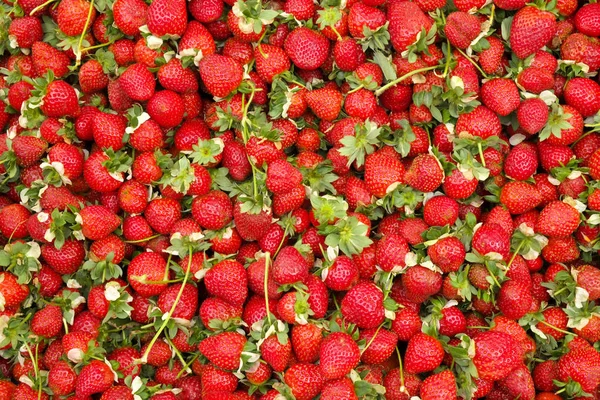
481	122
27	30
500	95
363	305
228	281
137	82
98	222
304	380
582	366
270	62
173	76
221	74
67	259
167	17
95	377
514	299
48	322
224	349
213	210
72	16
423	354
584	95
536	80
130	15
531	29
326	103
496	355
276	353
447	253
557	219
251	226
282	177
441	386
197	38
146	273
306	342
391	252
440	211
490	59
342	274
60	100
406	21
382	345
521	162
492	238
339	354
587	278
520	197
587	20
187	305
420	283
306	48
46	57
532	115
461	29
425	173
289	266
206	10
341	387
118	392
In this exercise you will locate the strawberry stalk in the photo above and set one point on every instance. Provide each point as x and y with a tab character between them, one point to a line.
400	371
85	27
36	370
558	329
172	310
372	339
390	84
142	240
41	6
266	285
473	62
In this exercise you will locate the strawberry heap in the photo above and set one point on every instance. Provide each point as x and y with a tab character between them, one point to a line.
298	199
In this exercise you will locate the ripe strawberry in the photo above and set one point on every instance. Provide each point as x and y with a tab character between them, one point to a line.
146	273
406	21
425	173
206	10
46	57
277	354
520	197
270	62
361	104
481	122
95	377
187	305
306	48
339	355
224	349
496	355
490	59
492	238
441	386
440	211
588	278
167	17
423	353
98	222
221	74
27	30
380	348
531	29
213	210
584	95
341	387
536	80
582	366
129	15
306	342
500	95
60	100
557	219
326	103
197	38
67	259
72	16
173	76
304	380
587	20
391	252
137	82
447	253
47	322
363	305
228	281
462	28
282	177
532	115
166	108
421	283
521	162
515	298
289	266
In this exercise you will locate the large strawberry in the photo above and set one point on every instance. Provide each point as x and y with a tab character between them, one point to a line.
531	29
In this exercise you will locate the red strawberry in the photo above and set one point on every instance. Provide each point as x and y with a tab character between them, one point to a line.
557	219
221	74
282	177
60	100
339	355
381	345
496	355
423	353
531	29
72	16
441	386
582	366
137	82
67	259
391	252
277	354
587	20
129	15
306	342
213	210
304	380
584	95
224	349
228	281
167	17
500	95
326	103
146	272
98	222
27	30
462	28
270	62
306	48
532	115
425	173
363	305
250	226
47	322
481	122
406	21
289	266
95	377
46	57
520	197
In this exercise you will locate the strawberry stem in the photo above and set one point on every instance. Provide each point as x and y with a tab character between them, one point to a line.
515	254
558	329
172	310
186	365
38	8
85	27
266	285
473	62
388	85
372	339
98	46
480	148
141	240
400	371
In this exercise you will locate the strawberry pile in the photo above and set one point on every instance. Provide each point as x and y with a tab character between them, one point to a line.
294	199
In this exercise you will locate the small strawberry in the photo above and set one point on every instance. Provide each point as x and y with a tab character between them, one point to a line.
228	281
339	355
500	95
496	355
306	48
584	95
425	173
146	273
223	349
137	82
130	15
